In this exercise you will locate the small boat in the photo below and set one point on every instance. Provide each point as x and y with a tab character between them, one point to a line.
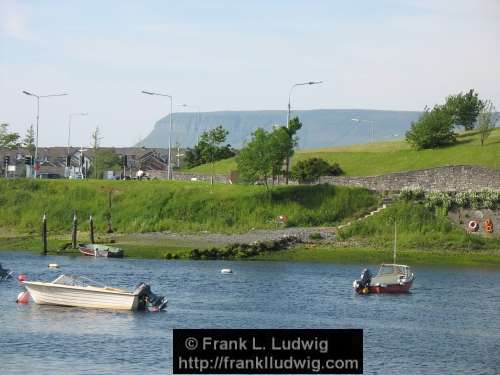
391	278
98	250
4	274
78	291
226	270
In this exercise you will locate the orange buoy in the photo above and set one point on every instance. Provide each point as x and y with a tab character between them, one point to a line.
22	277
23	298
473	226
283	218
488	225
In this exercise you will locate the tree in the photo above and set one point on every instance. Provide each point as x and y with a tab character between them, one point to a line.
7	139
486	121
255	160
104	159
433	129
464	108
29	140
281	147
209	148
310	170
95	145
293	127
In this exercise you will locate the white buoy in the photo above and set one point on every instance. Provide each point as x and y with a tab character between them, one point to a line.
226	270
53	265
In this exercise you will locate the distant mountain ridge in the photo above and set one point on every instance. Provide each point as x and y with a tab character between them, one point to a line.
321	127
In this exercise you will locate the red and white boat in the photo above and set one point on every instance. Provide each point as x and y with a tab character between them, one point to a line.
391	278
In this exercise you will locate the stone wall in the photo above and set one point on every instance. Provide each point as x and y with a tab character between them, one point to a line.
449	178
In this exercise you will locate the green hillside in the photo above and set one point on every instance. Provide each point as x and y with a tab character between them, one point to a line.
154	206
393	156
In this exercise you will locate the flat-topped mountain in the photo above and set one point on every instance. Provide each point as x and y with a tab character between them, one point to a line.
321	127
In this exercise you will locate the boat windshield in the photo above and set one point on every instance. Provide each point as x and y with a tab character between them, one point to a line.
72	280
392	269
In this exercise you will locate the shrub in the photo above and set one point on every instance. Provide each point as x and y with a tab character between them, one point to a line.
412	193
433	129
310	170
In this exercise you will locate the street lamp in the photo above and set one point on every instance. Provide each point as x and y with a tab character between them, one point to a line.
288	117
71	115
38	97
198	117
198	112
368	122
169	171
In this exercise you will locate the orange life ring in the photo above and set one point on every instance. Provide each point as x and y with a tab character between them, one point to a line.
283	218
473	226
488	225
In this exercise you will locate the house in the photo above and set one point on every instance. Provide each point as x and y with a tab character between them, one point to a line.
74	162
53	162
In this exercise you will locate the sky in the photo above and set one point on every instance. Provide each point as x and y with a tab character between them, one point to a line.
235	55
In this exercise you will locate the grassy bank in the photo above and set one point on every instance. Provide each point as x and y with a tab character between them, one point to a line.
363	256
418	228
486	259
154	206
394	156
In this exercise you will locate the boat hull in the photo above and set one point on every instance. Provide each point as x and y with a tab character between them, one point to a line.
87	297
88	251
391	288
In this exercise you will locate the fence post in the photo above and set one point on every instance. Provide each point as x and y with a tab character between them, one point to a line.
74	231
44	234
91	232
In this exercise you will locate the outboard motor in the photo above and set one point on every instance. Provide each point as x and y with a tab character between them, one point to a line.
365	278
4	274
363	281
148	300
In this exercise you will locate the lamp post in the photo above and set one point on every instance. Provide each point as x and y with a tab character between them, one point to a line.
71	115
198	112
288	117
198	116
38	97
368	122
169	171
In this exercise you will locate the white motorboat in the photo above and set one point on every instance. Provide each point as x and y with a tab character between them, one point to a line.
79	291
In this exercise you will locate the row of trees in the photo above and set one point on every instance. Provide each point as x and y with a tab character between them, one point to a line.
435	127
265	157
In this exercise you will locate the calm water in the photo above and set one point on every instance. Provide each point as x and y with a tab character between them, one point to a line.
450	324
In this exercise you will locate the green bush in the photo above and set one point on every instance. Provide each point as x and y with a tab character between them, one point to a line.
433	129
310	170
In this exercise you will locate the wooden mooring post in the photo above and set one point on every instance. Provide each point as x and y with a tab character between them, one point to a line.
74	231
44	234
91	229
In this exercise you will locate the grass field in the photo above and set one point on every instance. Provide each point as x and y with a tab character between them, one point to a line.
386	157
154	206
